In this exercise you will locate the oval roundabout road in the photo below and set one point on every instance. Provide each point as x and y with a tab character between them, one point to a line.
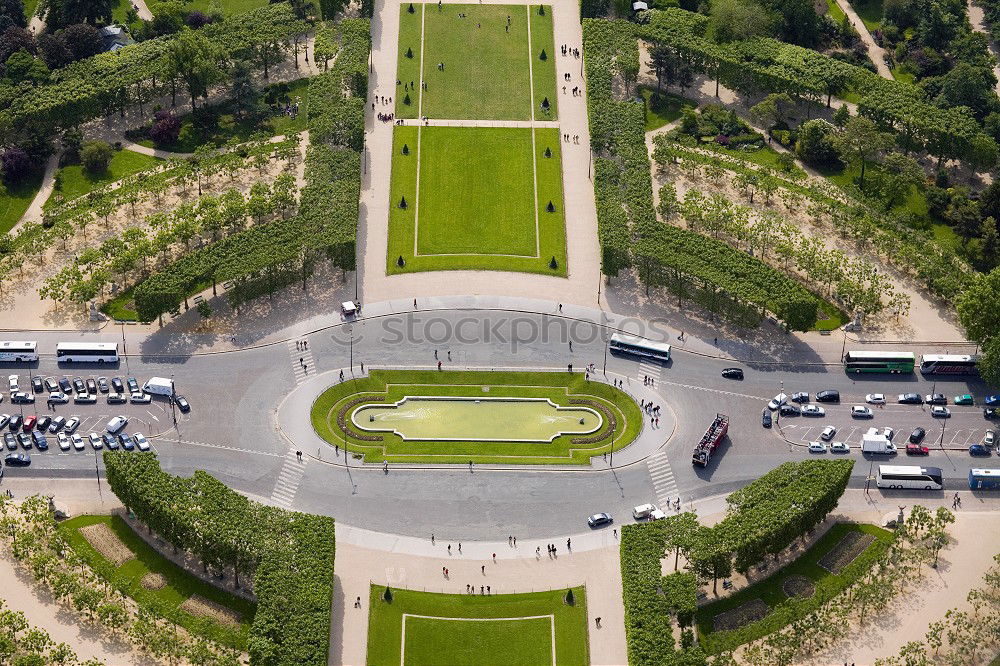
250	413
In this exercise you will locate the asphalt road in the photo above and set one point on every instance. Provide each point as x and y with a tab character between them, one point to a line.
230	431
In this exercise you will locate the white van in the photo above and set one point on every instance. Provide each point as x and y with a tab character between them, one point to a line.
159	386
643	511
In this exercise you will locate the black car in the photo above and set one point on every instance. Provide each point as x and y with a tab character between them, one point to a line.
17	460
182	403
917	435
116	383
800	397
789	410
37	385
937	399
133	385
15	423
43	422
829	395
65	385
991	413
110	441
733	373
24	439
38	438
91	385
910	399
79	385
766	418
10	441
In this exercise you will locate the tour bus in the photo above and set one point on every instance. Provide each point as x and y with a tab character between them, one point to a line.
876	361
87	352
948	364
18	351
984	479
909	476
629	344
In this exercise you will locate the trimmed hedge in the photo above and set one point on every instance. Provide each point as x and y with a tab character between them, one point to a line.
647	613
290	554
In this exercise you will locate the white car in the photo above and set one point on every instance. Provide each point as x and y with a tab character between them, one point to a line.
140	398
63	439
875	398
861	412
58	398
817	447
888	433
840	447
828	433
990	438
941	412
117	424
78	443
813	410
72	424
777	401
143	444
95	441
84	399
12	380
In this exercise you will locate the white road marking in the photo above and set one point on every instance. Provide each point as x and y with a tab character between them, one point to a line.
288	480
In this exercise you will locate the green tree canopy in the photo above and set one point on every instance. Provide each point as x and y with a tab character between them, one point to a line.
195	59
739	20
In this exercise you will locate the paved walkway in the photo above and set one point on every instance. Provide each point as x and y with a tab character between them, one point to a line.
36	208
977	17
876	53
142	10
581	286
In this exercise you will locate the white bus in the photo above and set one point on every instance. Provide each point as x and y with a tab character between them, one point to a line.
18	351
948	364
909	476
87	352
629	344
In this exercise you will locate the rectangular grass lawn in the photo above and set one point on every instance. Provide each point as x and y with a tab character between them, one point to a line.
15	199
543	68
74	181
408	61
476	205
476	630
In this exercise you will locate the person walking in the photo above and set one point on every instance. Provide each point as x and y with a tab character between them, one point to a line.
598	621
460	546
484	569
357	602
568	546
449	549
494	558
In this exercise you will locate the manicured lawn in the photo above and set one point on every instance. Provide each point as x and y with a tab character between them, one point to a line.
14	200
785	610
455	629
476	205
121	307
915	202
667	107
870	13
763	156
484	66
228	6
394	385
408	68
165	601
543	72
902	75
946	236
834	11
29	8
74	181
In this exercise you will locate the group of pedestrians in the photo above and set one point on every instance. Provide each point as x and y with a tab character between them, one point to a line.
956	502
576	90
568	50
301	345
575	138
652	410
483	589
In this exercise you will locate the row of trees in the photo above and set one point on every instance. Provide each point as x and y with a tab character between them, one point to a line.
30	532
26	645
289	555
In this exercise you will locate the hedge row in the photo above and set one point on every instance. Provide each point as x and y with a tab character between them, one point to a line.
289	554
647	612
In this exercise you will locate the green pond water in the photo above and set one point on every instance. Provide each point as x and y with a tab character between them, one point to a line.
477	419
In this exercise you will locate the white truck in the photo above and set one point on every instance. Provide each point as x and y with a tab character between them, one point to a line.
159	386
875	442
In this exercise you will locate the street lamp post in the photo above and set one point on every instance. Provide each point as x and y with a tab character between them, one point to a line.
173	395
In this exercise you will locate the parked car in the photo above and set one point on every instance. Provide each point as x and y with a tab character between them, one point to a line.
24	439
63	440
800	397
36	384
110	441
15	422
84	399
58	398
839	447
22	398
888	433
813	410
72	424
979	450
12	381
916	449
38	439
936	399
917	435
29	422
10	441
116	384
910	399
143	445
182	403
828	433
43	422
990	413
117	424
96	441
65	385
817	447
766	418
78	442
78	385
102	384
599	519
828	395
992	400
861	412
789	410
125	441
117	399
140	398
990	438
4	420
51	385
732	373
133	385
91	385
17	460
777	401
964	399
940	412
875	398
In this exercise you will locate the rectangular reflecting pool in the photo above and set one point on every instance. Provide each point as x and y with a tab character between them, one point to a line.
477	419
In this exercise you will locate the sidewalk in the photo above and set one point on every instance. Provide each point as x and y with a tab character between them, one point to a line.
875	52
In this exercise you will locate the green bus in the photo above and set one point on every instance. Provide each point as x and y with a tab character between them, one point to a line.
874	361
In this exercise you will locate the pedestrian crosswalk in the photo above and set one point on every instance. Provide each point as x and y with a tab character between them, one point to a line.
649	369
302	361
663	479
288	481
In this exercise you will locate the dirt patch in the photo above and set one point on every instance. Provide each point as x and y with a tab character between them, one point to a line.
798	586
750	612
202	607
153	581
107	543
848	548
